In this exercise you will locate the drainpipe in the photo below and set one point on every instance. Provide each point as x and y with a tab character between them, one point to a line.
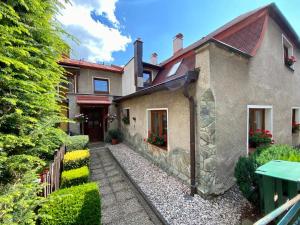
192	76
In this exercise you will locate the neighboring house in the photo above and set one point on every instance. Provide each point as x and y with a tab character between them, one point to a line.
91	89
204	99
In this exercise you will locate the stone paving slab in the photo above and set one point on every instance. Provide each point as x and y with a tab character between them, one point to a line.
120	202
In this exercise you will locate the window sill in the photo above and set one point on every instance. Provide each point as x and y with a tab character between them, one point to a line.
156	148
289	67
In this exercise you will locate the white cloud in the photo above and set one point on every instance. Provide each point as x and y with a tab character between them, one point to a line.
98	41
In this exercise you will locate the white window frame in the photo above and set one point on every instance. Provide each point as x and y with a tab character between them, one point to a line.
147	122
151	75
102	78
175	71
270	107
286	40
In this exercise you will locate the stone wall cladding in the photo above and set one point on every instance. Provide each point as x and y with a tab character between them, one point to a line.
207	154
175	161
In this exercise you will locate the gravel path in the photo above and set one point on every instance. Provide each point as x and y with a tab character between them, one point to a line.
170	196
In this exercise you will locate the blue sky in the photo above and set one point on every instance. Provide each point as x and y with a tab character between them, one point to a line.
107	29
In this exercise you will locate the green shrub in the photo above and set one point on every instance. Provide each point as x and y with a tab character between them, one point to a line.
77	142
74	177
246	178
77	205
19	200
114	134
76	159
280	152
245	168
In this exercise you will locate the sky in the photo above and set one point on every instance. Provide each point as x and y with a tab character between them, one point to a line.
106	29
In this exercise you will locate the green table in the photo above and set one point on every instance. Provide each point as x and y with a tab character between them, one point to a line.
277	177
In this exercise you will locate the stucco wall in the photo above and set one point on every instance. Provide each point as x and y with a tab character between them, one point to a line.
86	85
237	82
176	158
128	82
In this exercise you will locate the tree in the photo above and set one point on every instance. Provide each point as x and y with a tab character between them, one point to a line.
31	44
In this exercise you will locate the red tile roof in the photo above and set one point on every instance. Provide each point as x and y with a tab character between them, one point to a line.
92	99
89	65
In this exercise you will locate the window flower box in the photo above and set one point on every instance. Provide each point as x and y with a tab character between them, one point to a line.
259	138
289	61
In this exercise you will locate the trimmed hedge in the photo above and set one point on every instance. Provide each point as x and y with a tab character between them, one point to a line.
77	205
75	177
77	142
245	168
76	159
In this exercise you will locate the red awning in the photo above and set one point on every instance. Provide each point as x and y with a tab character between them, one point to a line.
88	99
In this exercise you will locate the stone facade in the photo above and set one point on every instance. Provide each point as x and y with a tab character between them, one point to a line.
207	152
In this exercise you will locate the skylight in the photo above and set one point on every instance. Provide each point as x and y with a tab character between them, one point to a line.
174	69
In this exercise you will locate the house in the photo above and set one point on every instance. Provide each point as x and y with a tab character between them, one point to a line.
197	107
91	90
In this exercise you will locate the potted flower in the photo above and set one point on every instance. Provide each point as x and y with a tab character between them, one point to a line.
114	136
289	61
156	139
259	138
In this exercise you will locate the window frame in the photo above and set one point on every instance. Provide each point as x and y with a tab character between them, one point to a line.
287	44
266	107
148	121
150	75
103	79
127	109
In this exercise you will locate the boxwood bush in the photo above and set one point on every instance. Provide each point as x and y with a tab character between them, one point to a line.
76	159
245	168
77	205
77	142
75	177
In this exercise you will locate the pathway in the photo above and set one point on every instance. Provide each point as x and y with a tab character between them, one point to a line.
120	201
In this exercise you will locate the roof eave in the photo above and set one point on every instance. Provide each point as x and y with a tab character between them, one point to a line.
152	89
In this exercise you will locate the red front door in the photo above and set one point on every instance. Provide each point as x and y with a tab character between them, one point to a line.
94	124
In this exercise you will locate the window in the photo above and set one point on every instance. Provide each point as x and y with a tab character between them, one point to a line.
288	52
158	127
174	69
259	118
71	84
126	116
295	120
101	85
147	77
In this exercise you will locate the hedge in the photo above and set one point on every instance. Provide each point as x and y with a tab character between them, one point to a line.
76	159
74	177
77	205
77	142
245	168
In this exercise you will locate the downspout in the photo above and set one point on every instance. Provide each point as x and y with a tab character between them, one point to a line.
192	76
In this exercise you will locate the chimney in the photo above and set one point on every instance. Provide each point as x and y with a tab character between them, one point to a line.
177	42
153	59
138	63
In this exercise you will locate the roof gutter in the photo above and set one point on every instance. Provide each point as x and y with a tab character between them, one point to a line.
192	76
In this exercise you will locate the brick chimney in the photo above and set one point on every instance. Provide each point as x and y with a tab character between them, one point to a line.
138	63
153	59
177	42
